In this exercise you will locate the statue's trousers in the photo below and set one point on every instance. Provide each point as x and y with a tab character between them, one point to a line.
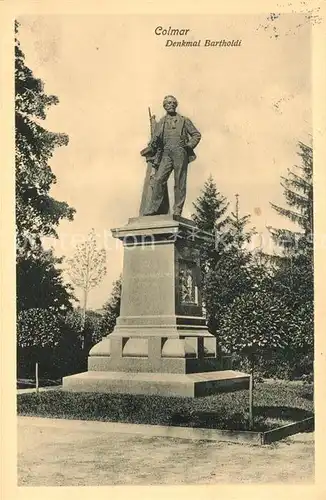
172	159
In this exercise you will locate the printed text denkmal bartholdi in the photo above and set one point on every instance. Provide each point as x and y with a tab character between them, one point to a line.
166	33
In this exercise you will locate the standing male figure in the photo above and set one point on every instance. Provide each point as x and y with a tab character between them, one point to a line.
172	144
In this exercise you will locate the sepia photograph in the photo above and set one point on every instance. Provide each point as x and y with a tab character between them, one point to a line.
164	252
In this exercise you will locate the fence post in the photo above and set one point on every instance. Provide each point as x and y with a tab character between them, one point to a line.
36	378
251	419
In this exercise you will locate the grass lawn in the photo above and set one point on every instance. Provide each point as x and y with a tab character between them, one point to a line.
275	404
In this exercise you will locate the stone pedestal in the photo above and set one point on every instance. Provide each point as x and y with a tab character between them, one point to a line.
160	344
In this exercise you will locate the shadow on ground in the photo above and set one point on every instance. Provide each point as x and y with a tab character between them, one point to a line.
239	421
283	412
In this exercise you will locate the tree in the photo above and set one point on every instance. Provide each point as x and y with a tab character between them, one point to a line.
87	268
210	209
230	277
298	192
254	325
89	330
294	275
39	281
235	228
37	213
39	332
295	264
225	267
209	216
53	340
112	307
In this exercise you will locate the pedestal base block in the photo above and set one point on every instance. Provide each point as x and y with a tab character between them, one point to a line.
161	384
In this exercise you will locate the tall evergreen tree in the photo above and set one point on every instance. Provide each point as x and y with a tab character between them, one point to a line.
210	216
231	276
224	259
210	208
294	276
37	213
298	192
234	234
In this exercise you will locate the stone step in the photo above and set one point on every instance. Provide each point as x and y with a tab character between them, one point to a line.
162	384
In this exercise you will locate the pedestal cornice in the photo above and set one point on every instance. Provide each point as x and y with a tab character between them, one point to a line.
159	227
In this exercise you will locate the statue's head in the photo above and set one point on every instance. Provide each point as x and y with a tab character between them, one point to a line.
170	104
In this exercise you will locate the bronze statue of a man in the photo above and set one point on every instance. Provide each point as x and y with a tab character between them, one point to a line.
171	148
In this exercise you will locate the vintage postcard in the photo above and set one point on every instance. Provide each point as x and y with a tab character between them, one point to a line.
163	248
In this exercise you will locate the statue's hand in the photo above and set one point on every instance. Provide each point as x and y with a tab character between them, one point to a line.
148	151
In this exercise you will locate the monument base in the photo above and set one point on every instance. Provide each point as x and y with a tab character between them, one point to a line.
160	384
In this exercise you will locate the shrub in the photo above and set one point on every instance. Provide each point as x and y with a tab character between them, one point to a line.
50	339
38	328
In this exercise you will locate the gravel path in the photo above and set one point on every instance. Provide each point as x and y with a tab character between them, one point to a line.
53	452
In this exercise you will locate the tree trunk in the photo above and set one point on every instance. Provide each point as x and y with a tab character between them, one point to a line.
84	317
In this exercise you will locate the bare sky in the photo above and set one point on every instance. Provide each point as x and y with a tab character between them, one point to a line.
251	103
